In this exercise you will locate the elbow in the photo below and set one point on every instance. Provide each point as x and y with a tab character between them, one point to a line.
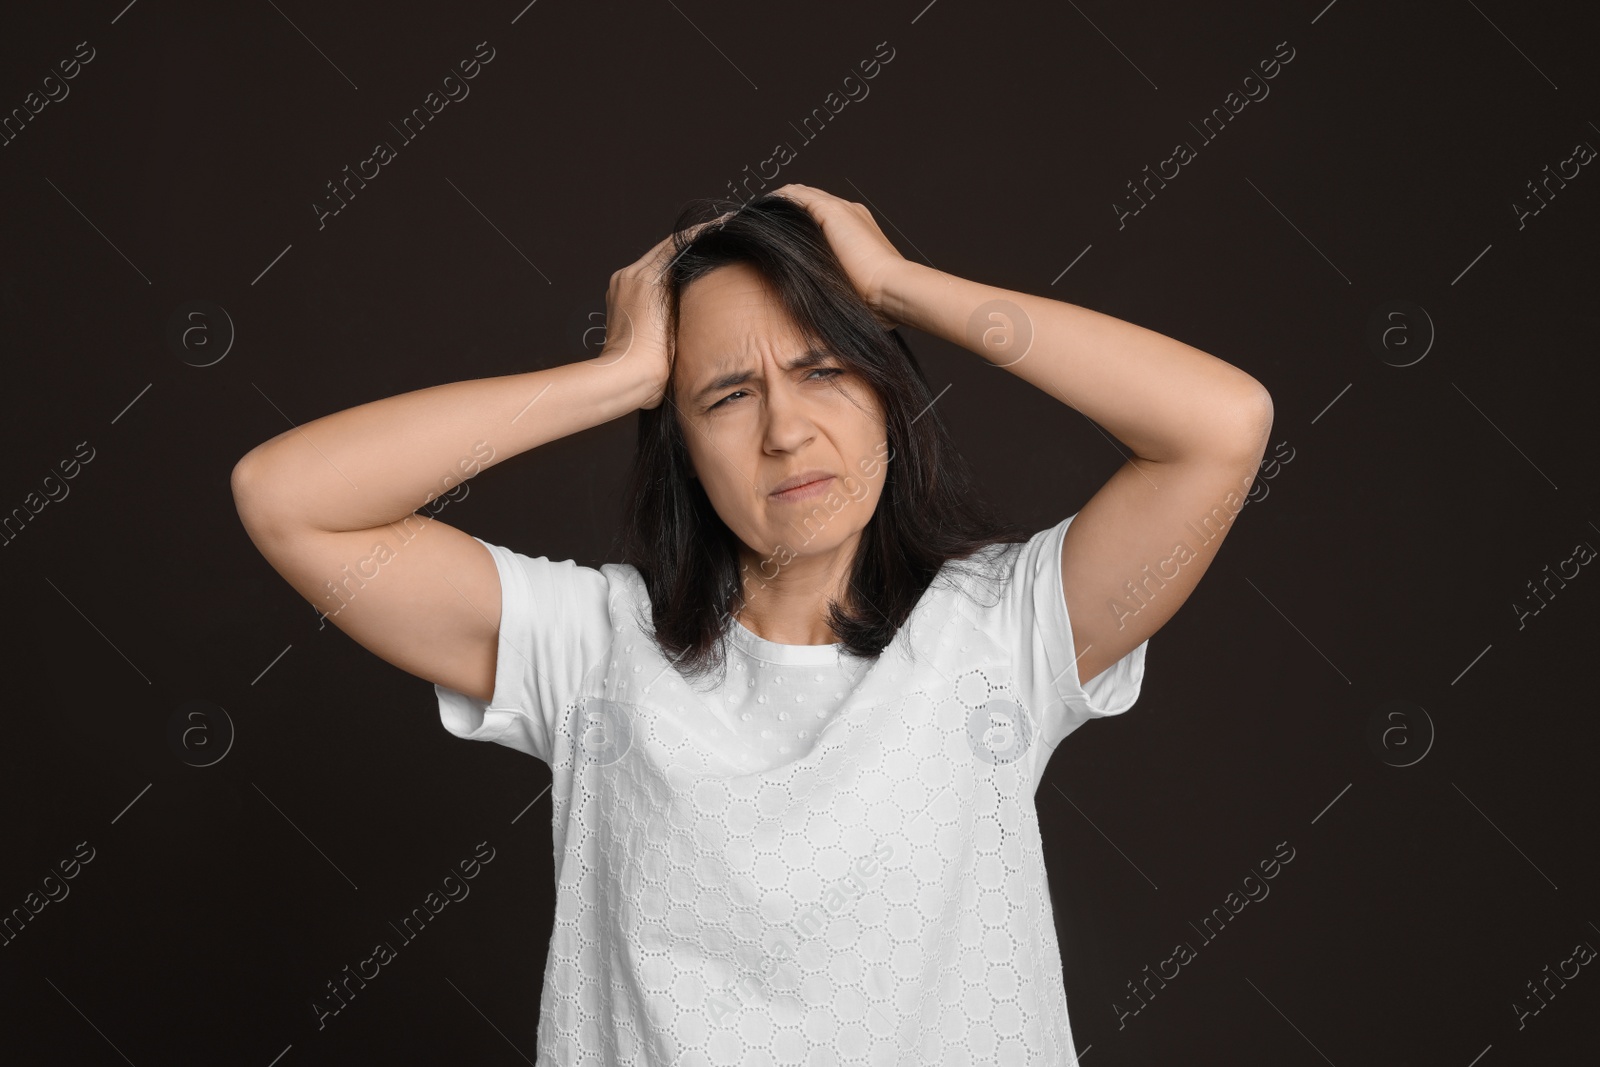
244	478
1258	415
248	483
1247	426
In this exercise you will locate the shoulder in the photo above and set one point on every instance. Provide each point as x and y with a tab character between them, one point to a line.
985	575
627	594
624	581
1004	585
537	585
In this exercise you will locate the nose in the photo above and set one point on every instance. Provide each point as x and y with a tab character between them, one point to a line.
788	424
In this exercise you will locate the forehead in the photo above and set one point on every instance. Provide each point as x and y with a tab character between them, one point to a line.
731	314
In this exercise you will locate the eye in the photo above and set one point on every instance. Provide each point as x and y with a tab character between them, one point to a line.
829	371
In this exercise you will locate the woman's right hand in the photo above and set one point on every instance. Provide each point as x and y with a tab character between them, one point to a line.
636	317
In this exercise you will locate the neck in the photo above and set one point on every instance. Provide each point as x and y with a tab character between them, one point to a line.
790	605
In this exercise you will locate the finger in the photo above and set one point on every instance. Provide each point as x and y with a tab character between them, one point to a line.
688	233
694	230
800	194
663	248
806	194
656	250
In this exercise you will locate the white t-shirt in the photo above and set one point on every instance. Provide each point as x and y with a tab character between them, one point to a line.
826	859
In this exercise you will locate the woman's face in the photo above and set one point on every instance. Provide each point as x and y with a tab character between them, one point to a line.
752	419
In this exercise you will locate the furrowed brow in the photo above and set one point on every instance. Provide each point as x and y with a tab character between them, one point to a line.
812	357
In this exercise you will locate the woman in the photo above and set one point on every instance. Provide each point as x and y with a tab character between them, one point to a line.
795	737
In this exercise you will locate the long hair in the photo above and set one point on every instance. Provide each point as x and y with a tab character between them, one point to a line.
929	511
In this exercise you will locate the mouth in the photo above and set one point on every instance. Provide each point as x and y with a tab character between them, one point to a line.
805	491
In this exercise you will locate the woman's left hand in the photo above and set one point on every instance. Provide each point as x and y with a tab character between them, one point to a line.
869	260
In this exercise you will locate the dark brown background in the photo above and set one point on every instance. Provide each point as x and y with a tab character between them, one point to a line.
1381	564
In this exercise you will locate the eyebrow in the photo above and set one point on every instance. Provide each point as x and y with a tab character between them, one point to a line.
812	357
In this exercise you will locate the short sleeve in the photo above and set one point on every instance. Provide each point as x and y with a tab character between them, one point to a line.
1034	613
555	625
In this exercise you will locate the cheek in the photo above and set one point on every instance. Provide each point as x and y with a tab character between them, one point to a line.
855	489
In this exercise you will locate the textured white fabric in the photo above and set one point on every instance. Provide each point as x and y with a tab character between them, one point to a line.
824	859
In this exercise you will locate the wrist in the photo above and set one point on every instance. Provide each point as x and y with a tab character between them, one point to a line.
633	382
902	296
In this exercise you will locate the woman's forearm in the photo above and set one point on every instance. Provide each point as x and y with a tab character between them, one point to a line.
381	461
1164	399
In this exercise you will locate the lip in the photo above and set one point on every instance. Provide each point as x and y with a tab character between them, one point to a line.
817	483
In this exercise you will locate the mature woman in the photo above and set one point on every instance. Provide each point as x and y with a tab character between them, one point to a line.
796	734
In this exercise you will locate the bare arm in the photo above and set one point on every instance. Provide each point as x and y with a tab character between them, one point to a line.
1168	402
1197	427
331	504
375	464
